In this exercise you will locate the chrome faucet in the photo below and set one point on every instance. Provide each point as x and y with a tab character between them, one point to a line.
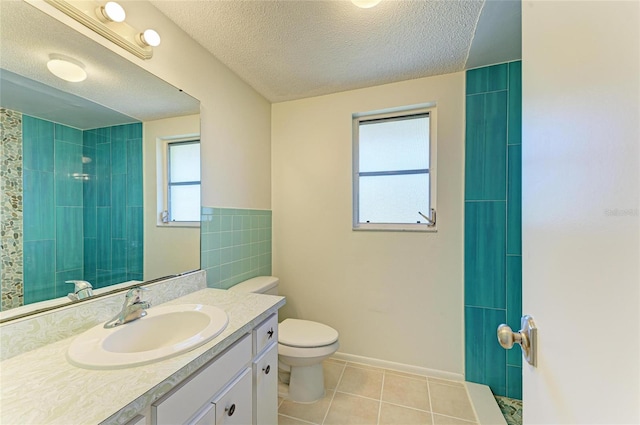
134	308
82	290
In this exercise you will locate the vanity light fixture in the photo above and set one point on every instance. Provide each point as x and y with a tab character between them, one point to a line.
111	11
149	38
107	19
66	68
365	4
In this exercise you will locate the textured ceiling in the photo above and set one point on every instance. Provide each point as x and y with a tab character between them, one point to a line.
295	48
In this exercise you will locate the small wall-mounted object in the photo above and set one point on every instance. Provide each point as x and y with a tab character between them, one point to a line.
431	221
108	20
526	337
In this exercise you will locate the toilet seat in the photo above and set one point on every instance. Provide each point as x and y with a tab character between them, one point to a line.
298	333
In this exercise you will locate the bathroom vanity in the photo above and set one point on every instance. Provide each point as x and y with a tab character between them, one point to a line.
231	379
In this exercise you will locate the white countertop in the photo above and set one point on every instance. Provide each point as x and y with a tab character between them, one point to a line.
42	387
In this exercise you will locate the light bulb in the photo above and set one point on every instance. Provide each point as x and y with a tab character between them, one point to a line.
149	38
112	11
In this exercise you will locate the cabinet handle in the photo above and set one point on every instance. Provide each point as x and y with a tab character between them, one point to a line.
266	370
270	332
230	410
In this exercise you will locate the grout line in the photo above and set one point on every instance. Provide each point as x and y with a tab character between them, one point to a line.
297	419
433	419
334	394
456	418
384	373
406	407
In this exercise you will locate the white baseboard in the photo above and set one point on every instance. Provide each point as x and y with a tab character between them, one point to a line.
400	367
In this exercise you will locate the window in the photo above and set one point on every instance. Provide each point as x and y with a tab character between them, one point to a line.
394	173
183	182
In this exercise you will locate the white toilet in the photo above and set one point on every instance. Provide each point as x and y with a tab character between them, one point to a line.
302	346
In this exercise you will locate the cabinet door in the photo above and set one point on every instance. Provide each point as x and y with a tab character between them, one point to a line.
265	392
234	405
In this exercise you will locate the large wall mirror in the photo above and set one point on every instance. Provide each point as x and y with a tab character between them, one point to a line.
82	166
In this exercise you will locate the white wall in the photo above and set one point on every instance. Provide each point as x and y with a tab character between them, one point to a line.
183	243
235	118
392	296
581	210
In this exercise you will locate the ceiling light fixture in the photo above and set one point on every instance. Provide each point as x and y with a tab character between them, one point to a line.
149	38
107	18
66	68
365	4
111	11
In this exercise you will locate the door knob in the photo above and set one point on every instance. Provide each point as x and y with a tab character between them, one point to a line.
526	337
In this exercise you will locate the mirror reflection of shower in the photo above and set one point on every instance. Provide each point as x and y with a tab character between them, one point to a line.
83	215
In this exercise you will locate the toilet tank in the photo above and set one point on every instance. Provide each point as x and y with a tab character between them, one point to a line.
258	285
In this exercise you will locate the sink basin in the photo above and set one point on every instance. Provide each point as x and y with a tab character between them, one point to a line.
164	332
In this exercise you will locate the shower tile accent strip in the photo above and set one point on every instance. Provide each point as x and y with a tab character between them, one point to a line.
236	245
493	223
11	208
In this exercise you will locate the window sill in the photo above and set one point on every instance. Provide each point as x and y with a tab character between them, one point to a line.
170	224
379	227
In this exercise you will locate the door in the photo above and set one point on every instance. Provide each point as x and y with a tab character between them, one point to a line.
581	231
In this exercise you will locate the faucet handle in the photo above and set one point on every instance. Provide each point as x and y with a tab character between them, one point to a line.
83	289
80	284
134	295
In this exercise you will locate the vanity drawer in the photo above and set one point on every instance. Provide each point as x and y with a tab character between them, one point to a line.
177	406
265	333
231	407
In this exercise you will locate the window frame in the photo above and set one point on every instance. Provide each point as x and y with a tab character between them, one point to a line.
398	113
164	179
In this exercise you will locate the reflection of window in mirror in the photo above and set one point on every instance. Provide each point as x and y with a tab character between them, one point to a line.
181	189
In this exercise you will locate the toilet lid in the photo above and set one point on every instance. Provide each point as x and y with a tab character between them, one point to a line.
305	333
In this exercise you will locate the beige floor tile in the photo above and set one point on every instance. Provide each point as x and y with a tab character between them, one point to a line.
285	420
364	382
332	374
406	391
391	414
447	420
451	401
310	412
352	410
334	360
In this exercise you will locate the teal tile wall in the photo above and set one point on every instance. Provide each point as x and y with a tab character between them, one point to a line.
493	223
113	204
80	211
236	245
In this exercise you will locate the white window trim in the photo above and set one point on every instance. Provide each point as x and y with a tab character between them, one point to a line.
162	180
433	172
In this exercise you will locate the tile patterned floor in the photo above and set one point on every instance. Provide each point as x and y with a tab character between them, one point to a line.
360	394
511	410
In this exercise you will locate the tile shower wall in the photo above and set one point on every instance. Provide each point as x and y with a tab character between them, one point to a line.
493	246
236	245
82	195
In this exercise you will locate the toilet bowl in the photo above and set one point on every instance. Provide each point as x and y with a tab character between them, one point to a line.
302	346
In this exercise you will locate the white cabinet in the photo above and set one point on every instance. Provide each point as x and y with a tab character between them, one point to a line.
239	386
185	402
265	387
265	372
